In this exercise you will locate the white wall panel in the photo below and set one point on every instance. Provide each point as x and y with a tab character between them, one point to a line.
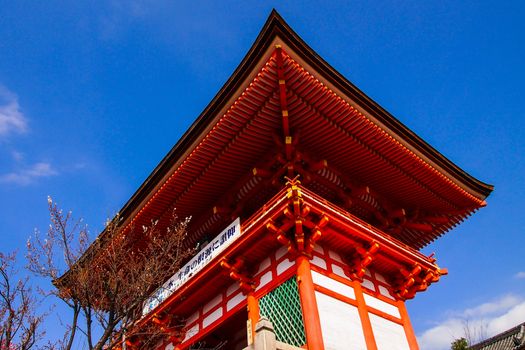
389	335
212	303
233	302
338	270
264	264
368	284
214	316
382	306
192	318
385	292
232	288
191	332
333	285
281	252
317	261
265	279
319	249
340	324
284	265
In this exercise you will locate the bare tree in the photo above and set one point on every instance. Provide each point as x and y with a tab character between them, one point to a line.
474	332
106	283
19	323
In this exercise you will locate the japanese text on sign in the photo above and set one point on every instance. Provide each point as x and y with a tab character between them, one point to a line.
201	259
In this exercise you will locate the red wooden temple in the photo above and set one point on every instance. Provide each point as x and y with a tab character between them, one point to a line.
315	202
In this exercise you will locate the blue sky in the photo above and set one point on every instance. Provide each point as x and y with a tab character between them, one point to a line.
94	94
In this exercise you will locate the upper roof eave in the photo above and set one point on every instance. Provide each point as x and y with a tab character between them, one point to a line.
276	26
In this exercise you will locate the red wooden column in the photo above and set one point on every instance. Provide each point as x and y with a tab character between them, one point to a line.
409	331
312	323
253	311
363	315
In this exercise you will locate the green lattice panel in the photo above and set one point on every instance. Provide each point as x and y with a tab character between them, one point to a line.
283	308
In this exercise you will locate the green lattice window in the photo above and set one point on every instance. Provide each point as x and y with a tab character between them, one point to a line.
283	308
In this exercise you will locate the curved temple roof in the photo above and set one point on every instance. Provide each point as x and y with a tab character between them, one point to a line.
390	175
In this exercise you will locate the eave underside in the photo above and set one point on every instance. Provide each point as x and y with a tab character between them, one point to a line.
239	163
341	231
345	148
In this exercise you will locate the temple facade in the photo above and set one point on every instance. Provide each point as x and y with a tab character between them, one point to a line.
310	203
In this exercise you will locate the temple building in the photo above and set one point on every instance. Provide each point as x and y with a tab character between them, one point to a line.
315	203
511	339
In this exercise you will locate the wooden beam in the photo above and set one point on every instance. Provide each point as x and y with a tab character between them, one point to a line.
282	92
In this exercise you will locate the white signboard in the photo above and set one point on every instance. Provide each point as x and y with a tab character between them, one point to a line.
201	259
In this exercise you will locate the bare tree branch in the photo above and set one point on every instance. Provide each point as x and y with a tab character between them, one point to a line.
109	285
19	322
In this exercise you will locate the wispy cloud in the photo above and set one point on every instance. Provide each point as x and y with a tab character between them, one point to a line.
28	175
11	117
492	307
520	275
121	14
17	156
484	320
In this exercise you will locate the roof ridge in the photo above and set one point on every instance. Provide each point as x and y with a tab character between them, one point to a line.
503	335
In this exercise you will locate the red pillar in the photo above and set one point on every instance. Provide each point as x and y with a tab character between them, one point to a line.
363	315
312	324
409	331
253	311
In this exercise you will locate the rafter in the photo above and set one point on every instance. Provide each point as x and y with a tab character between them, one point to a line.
234	271
409	282
361	258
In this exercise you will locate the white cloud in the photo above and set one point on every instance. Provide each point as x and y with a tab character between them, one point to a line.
520	275
17	156
484	320
490	308
12	120
11	117
29	175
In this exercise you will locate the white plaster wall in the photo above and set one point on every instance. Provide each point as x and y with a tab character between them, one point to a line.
281	252
284	265
385	292
191	332
333	285
232	288
368	284
236	300
264	264
339	271
214	316
389	335
212	303
265	279
317	261
192	318
382	306
340	324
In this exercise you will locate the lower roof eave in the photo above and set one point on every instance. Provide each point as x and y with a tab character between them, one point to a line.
256	241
